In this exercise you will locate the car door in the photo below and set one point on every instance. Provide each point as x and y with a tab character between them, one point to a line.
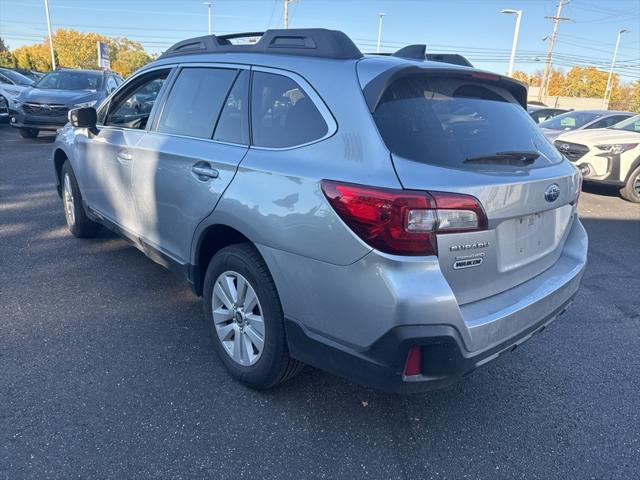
190	155
107	157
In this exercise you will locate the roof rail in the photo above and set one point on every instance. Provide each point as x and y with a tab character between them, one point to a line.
309	42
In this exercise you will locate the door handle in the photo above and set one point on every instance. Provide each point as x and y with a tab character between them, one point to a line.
204	171
123	155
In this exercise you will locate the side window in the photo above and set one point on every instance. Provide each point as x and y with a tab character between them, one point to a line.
282	115
131	107
111	84
195	101
233	124
608	121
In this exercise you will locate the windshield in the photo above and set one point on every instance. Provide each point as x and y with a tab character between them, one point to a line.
460	124
570	120
17	78
68	80
630	124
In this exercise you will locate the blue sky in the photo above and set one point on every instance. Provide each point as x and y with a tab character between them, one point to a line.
475	28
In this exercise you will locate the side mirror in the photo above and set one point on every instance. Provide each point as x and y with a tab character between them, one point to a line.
84	117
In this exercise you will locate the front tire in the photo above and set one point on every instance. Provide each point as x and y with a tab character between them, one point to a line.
631	190
78	223
245	319
29	132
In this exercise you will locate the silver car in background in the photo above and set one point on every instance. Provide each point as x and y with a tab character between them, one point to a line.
393	220
581	120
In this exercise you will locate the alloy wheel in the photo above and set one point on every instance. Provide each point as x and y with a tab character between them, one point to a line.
69	211
238	318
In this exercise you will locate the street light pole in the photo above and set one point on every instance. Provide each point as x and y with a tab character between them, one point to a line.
516	33
381	14
53	56
208	4
285	15
607	91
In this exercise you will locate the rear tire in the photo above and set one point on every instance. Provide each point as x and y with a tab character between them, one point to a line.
78	223
254	352
631	190
29	132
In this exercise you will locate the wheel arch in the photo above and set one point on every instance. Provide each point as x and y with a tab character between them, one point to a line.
632	167
210	241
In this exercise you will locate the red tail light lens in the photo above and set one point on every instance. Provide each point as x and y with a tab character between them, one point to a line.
403	222
413	365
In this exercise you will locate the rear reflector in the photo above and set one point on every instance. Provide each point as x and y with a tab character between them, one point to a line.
413	366
403	222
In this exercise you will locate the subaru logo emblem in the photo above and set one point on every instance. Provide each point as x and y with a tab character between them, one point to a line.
552	193
565	147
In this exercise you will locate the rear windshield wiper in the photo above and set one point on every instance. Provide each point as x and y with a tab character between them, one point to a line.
515	158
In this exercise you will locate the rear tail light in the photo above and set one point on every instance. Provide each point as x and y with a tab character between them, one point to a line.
403	222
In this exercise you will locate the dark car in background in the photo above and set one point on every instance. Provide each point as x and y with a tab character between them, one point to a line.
540	114
45	106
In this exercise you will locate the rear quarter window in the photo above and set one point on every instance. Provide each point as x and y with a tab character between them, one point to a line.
446	121
282	114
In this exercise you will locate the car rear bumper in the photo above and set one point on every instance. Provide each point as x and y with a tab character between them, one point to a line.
444	358
454	339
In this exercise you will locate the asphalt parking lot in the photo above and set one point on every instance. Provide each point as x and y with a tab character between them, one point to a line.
106	371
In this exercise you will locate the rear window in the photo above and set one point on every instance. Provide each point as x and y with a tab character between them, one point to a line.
455	123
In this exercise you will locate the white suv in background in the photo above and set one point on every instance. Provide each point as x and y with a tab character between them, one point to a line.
607	155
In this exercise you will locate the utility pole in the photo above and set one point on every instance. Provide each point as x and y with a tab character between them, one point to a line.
546	77
516	33
208	4
607	91
53	56
286	12
381	15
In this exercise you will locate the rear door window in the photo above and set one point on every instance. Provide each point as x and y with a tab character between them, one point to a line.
282	114
195	101
233	124
457	123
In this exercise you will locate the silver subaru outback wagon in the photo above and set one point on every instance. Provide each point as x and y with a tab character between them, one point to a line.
392	219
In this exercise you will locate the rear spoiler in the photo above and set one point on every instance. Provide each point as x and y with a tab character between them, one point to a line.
374	90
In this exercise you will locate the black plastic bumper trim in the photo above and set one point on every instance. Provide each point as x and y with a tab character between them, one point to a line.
445	359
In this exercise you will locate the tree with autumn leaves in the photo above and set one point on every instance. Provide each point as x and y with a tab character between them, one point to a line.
75	49
588	82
